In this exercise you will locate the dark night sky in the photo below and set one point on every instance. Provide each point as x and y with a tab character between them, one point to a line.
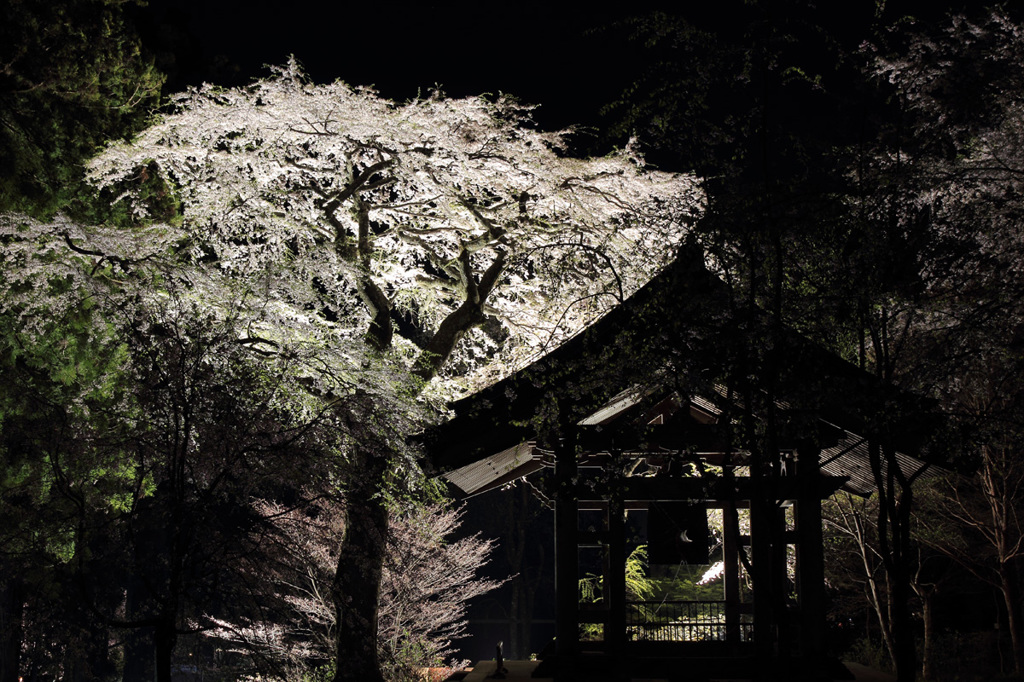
548	53
540	52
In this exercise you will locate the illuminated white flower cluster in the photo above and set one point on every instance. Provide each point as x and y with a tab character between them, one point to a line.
450	228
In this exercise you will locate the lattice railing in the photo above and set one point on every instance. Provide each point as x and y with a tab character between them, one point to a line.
680	621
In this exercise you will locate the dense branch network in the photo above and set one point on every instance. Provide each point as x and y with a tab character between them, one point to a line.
450	231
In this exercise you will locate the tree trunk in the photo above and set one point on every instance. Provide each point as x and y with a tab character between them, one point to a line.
356	587
138	655
856	524
877	601
514	624
91	662
1012	596
902	622
900	593
166	638
902	629
1000	478
11	607
138	641
526	604
928	616
895	501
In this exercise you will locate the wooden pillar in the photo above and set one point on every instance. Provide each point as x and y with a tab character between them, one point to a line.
731	576
615	627
782	620
761	565
810	553
567	616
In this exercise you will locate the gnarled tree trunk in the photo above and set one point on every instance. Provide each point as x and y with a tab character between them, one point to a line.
356	588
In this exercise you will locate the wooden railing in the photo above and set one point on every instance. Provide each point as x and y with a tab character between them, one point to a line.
680	621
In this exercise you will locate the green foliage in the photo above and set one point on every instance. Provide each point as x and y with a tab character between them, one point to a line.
134	429
685	76
407	657
680	583
60	544
65	360
323	673
61	367
74	76
869	653
638	586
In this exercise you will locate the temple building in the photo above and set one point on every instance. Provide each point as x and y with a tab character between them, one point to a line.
679	420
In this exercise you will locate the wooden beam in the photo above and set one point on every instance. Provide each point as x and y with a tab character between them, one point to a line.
687	436
709	489
692	437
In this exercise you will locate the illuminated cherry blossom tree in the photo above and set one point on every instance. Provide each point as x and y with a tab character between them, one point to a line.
439	243
428	580
415	223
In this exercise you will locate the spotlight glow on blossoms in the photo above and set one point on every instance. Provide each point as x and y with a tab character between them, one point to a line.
448	230
437	239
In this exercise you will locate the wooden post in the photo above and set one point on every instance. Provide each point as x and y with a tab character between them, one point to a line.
761	563
567	616
810	554
615	627
731	576
780	585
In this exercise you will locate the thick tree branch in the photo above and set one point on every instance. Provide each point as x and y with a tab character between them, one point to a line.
359	181
380	332
461	320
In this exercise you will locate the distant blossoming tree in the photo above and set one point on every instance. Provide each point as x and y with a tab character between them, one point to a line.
438	239
427	582
960	91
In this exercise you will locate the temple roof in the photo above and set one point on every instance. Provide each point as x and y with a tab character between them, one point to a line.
658	374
